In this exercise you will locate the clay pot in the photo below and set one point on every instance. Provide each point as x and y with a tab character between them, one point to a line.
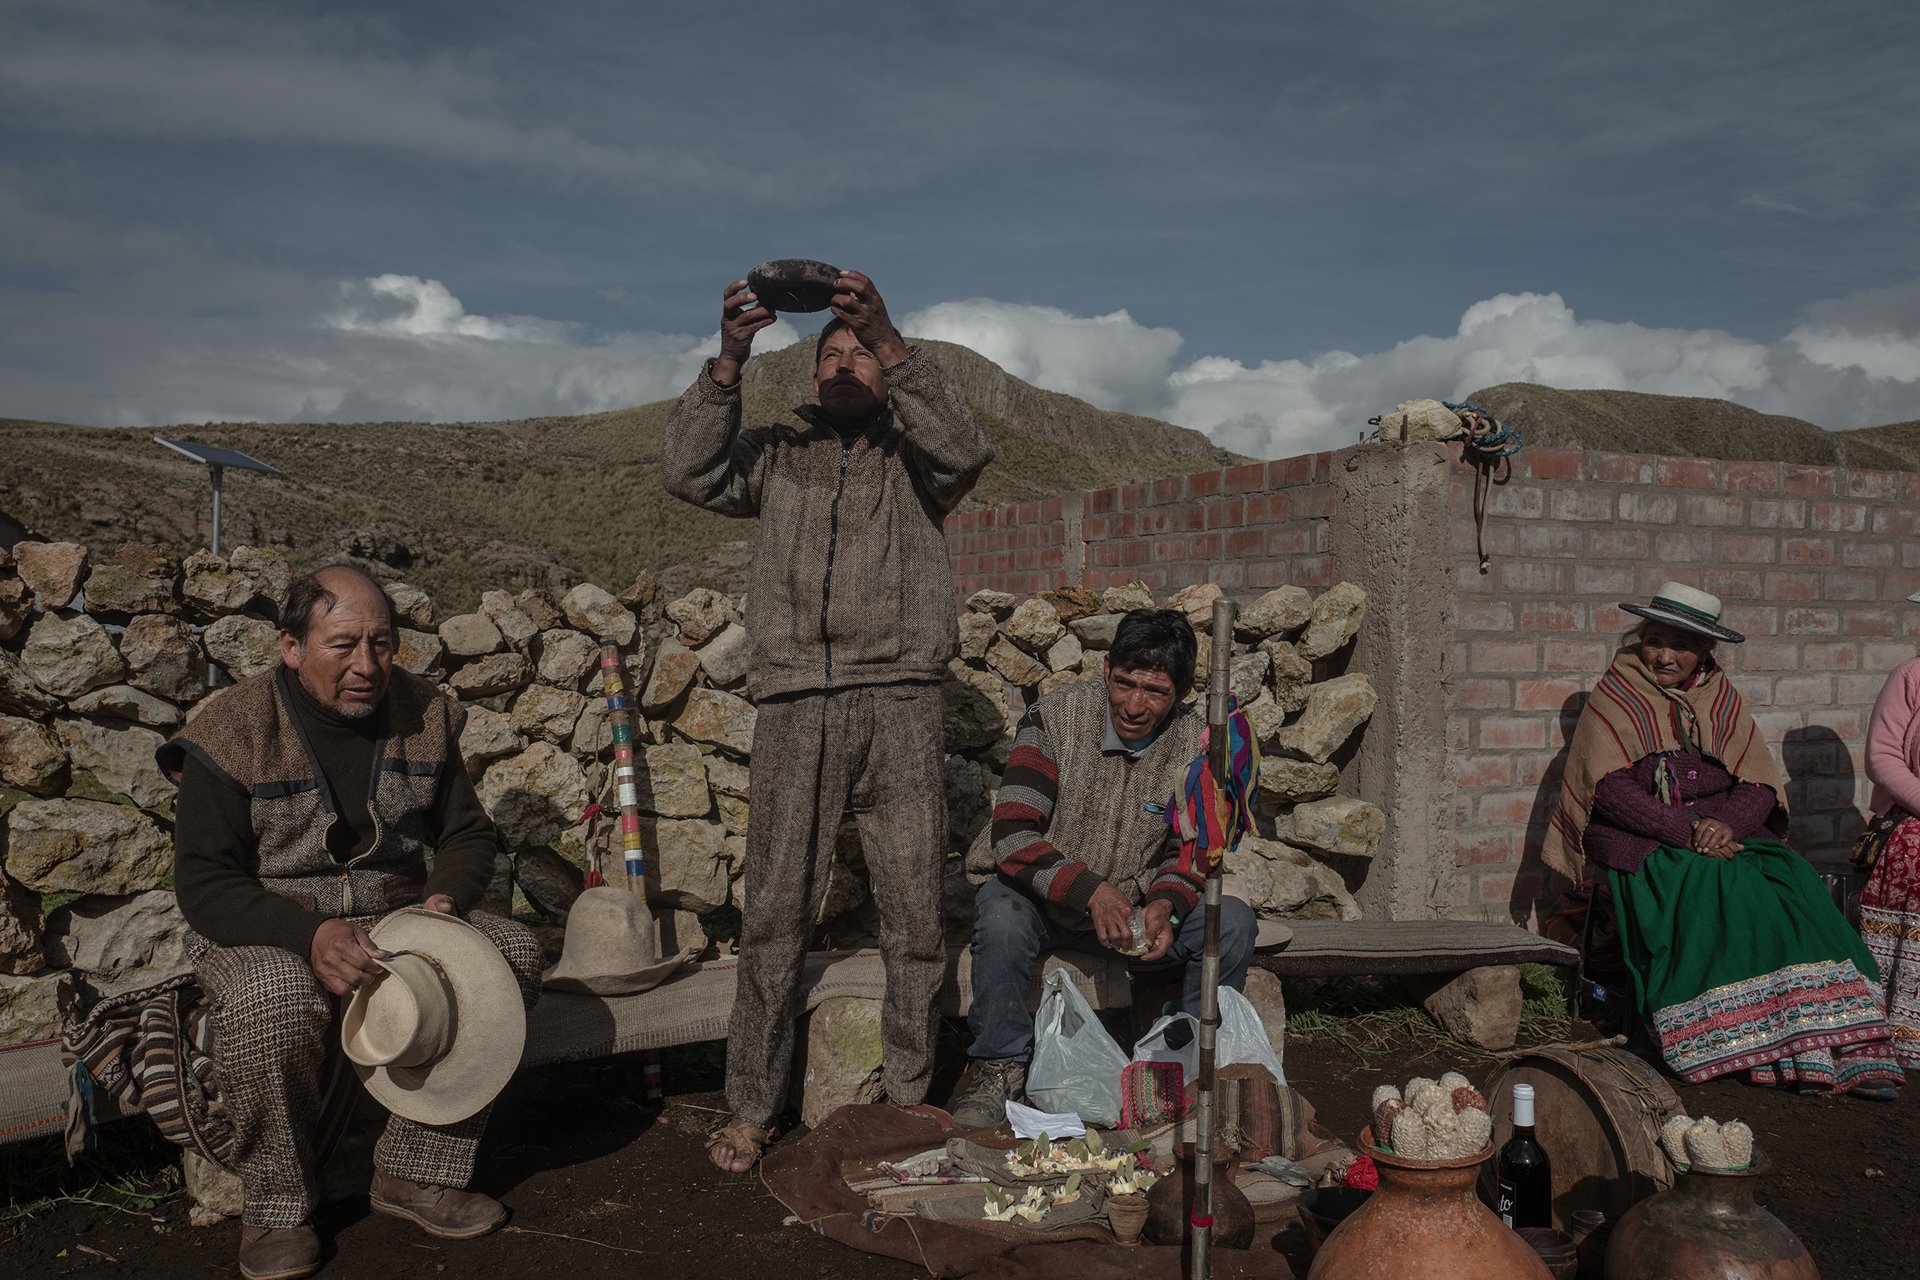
1170	1204
1707	1228
1424	1223
1125	1216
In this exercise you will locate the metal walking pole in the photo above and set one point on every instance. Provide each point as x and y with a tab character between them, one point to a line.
216	469
1219	763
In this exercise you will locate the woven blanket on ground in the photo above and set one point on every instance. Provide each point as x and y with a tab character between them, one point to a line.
989	1159
972	1210
149	1050
804	1176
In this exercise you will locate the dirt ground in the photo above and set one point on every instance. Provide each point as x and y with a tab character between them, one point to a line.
602	1185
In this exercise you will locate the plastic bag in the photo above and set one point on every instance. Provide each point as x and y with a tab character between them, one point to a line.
1241	1038
1076	1065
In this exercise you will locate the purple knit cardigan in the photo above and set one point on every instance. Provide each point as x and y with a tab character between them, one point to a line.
1628	821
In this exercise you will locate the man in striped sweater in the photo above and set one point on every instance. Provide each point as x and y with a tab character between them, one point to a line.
1079	841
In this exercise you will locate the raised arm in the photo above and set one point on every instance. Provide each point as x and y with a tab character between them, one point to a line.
706	458
946	448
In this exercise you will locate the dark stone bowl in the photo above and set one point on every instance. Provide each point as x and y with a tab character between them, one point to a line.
794	284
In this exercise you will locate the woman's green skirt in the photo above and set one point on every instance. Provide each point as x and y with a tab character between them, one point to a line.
1745	964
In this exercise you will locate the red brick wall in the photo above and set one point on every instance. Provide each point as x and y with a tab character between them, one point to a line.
1019	548
1249	528
1813	564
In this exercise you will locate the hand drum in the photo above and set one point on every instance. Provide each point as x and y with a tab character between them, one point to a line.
794	284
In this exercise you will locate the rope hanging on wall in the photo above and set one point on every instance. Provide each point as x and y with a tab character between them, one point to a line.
1487	447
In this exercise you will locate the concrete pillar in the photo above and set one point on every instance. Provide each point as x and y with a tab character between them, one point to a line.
1390	536
1073	556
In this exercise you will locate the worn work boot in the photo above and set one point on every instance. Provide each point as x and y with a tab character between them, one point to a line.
278	1253
981	1102
446	1212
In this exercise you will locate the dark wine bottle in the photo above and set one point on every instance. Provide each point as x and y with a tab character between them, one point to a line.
1522	1174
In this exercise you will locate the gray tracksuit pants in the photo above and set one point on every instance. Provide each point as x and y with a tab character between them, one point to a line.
878	750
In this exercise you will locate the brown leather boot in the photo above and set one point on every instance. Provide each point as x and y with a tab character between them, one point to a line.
446	1212
278	1253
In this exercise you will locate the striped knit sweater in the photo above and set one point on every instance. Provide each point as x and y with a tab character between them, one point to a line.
1071	817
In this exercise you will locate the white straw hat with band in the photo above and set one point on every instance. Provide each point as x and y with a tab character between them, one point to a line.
437	1037
1678	605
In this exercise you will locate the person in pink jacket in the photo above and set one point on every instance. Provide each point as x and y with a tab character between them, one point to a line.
1890	904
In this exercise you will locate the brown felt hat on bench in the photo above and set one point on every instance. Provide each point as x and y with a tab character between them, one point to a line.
607	951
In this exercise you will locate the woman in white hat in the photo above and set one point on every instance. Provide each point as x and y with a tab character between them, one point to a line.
1889	852
1739	960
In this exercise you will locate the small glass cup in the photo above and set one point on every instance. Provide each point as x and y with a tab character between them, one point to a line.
1138	946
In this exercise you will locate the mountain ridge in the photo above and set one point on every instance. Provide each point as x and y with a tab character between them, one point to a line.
460	507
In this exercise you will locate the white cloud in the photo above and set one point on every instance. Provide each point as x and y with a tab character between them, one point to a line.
1876	331
1111	360
152	326
1856	362
409	307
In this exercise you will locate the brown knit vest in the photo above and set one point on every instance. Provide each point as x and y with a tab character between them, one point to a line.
251	739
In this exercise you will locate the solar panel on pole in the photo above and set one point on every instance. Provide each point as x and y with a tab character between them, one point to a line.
217	460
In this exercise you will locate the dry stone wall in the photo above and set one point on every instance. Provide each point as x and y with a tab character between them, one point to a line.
103	656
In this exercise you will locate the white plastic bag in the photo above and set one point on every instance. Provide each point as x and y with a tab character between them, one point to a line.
1241	1038
1076	1065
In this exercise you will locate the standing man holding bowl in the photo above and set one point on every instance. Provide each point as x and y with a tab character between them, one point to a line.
850	608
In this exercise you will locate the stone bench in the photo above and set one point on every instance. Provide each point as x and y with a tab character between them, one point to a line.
1464	972
694	1007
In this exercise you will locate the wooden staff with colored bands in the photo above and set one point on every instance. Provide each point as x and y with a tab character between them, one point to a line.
626	777
613	683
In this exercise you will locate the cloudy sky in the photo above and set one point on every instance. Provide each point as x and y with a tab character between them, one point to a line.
1264	220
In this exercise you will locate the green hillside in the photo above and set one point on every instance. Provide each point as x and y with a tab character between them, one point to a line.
549	501
1689	427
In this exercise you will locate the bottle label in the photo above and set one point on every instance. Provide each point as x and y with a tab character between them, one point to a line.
1505	1206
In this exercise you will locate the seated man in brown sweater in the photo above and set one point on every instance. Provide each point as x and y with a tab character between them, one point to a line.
1079	841
309	798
